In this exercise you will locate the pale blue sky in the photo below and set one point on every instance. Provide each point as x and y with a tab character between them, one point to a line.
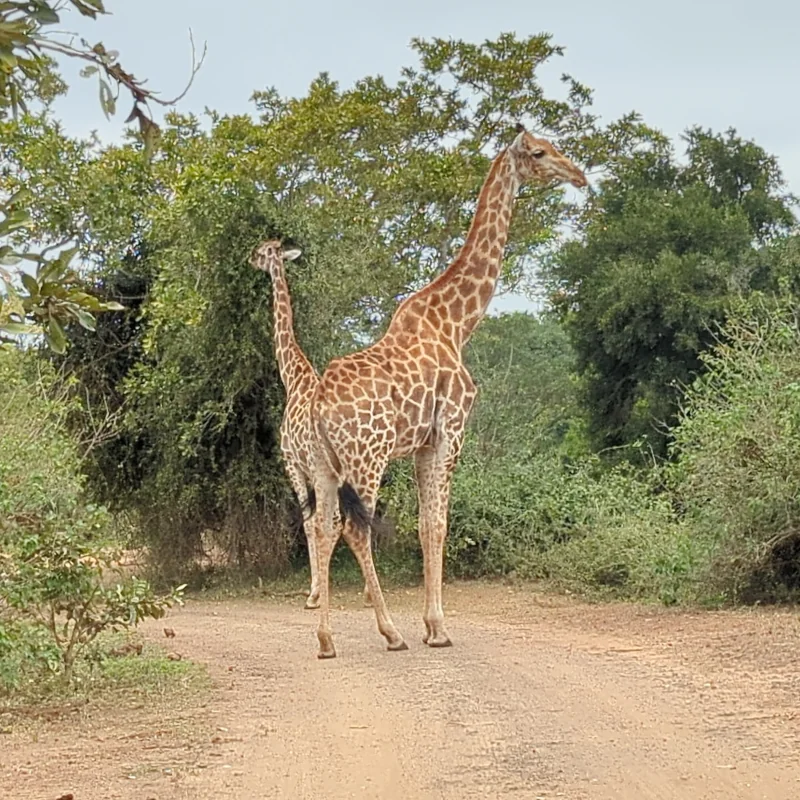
707	62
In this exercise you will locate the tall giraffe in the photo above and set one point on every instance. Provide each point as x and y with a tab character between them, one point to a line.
410	394
299	380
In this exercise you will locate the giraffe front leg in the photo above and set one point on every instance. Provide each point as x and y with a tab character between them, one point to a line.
298	482
433	486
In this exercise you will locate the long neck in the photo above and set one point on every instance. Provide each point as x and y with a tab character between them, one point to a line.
456	301
292	362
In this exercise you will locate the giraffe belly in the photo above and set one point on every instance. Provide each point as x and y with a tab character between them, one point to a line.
413	422
410	439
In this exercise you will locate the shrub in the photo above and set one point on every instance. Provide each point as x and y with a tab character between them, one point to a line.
737	449
54	546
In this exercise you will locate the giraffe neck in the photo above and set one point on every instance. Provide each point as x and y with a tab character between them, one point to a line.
292	362
456	301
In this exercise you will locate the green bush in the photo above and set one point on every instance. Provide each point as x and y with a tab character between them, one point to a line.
55	547
27	653
737	449
580	523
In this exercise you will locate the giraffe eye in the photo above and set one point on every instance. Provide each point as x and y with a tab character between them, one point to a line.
538	153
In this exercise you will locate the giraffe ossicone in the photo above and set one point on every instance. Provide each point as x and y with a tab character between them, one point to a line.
411	394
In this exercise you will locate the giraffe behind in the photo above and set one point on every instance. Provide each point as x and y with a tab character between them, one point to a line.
299	380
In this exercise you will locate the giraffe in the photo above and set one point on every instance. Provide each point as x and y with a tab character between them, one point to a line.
299	380
410	394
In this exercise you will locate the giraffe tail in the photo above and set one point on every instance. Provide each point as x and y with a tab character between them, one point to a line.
351	507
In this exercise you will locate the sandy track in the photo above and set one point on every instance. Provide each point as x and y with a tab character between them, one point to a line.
541	697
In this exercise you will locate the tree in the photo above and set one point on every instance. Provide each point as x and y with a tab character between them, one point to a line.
524	366
56	294
376	184
665	247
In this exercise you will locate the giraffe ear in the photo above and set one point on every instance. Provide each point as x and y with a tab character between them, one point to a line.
291	255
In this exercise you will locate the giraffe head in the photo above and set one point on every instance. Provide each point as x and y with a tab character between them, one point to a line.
537	161
270	255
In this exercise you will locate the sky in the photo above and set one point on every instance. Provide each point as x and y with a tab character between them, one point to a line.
689	62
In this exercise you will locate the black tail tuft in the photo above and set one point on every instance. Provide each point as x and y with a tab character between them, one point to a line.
310	506
353	508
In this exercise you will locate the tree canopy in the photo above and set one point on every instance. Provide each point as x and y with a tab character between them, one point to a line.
666	245
55	294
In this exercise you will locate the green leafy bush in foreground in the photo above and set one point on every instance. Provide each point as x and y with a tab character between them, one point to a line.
55	558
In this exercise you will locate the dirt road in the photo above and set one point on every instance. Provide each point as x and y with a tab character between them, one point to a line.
540	697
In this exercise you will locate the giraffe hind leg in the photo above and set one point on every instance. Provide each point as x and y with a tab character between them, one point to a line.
308	503
326	533
359	509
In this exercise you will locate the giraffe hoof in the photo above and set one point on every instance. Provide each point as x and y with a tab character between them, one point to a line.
326	648
396	648
440	641
310	604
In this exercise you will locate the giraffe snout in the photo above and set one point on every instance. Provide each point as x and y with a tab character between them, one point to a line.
579	180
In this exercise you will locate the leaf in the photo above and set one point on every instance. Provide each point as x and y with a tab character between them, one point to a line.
16	219
107	101
111	305
15	327
52	270
53	289
55	336
66	256
89	8
87	72
86	320
45	15
21	194
8	59
31	284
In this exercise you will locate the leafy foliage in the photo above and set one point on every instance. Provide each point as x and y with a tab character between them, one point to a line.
528	402
54	554
55	296
736	472
666	248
